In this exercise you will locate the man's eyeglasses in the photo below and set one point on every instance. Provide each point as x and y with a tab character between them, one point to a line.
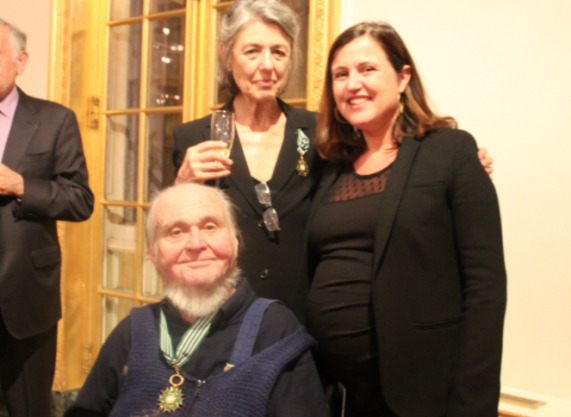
270	215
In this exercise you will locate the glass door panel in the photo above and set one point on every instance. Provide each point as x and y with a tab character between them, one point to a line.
158	6
123	9
166	62
124	72
122	157
120	249
115	309
160	143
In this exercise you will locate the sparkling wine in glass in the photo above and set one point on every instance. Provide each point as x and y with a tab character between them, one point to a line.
222	129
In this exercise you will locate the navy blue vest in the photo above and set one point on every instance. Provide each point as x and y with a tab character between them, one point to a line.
242	391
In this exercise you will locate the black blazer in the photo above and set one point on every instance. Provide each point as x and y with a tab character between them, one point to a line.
438	279
44	146
270	260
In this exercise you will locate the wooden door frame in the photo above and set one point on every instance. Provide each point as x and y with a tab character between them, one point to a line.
79	271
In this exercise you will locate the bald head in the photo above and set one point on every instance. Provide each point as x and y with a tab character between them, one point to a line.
193	192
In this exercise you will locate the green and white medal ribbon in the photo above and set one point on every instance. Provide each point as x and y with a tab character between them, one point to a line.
302	147
171	398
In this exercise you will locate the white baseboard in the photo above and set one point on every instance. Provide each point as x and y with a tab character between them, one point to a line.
531	404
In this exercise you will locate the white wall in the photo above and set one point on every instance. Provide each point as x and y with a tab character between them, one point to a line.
33	18
503	69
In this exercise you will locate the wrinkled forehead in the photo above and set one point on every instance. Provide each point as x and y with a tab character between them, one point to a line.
192	206
193	209
251	33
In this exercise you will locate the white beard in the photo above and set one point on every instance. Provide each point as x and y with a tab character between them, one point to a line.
193	302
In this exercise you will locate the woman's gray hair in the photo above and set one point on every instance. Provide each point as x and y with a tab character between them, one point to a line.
17	38
238	16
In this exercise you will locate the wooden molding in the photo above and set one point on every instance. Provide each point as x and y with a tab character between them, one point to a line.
323	27
508	414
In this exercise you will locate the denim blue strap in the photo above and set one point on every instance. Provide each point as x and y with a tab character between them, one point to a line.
249	330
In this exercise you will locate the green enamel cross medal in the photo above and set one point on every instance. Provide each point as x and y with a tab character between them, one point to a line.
170	399
302	147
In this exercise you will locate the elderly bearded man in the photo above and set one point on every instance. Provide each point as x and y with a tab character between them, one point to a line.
210	347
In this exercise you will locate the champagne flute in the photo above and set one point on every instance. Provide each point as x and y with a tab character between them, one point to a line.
222	129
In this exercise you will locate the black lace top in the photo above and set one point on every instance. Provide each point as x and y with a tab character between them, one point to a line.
341	238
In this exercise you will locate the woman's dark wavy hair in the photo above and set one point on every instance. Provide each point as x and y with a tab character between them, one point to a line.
337	141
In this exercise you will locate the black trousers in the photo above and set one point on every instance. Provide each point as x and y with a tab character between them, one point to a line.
27	369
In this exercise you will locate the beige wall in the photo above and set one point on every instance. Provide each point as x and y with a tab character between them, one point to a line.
33	18
501	67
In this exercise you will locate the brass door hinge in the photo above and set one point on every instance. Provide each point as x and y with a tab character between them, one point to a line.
93	113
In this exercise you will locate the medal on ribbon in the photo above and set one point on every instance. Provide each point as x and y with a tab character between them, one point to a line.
302	147
171	398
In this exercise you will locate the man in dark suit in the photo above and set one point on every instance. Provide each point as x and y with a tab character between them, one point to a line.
43	178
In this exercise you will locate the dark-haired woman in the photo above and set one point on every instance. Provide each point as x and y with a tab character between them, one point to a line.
405	247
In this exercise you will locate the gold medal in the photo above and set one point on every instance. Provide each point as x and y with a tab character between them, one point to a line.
302	147
171	398
301	167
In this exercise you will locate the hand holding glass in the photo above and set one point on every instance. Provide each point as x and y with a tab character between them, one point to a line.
222	129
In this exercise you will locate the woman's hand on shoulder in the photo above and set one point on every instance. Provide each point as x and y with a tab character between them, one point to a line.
204	162
486	161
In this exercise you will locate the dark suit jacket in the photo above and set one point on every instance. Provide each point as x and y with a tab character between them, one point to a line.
270	260
438	280
44	146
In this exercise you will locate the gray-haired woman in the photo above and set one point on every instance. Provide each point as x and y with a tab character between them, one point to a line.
273	147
